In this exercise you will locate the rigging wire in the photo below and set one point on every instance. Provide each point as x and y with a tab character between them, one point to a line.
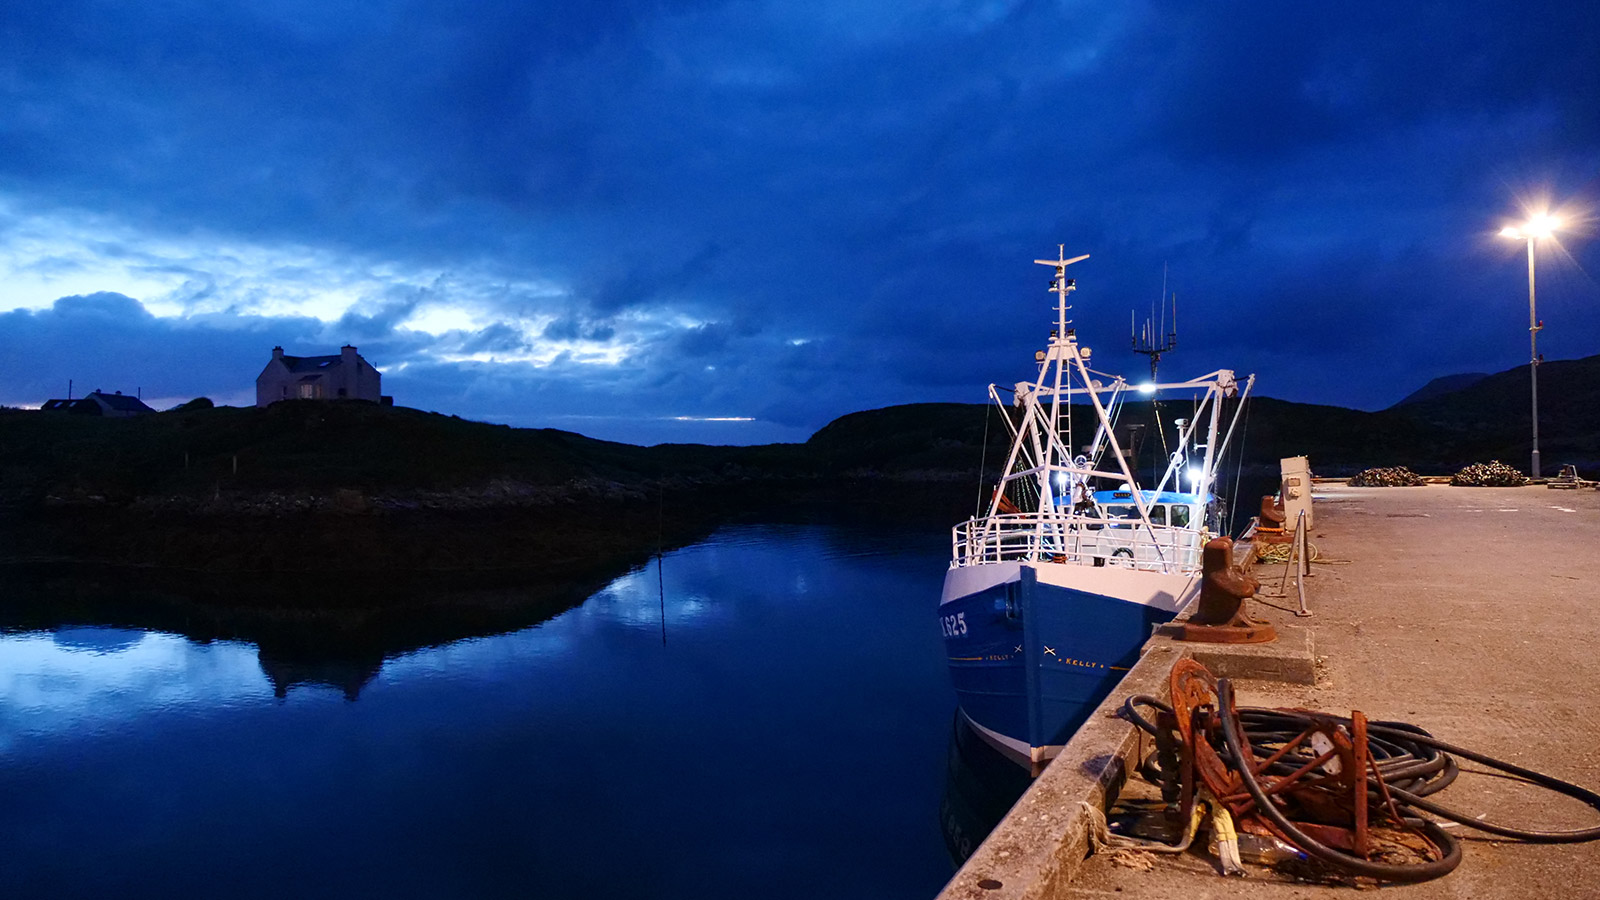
1238	472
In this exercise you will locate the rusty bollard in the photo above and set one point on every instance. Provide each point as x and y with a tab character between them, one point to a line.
1220	617
1270	527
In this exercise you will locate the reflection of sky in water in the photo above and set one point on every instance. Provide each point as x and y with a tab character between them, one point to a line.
76	676
797	711
80	678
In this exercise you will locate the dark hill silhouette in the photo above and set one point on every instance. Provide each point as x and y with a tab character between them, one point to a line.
367	489
1486	419
1492	419
1444	384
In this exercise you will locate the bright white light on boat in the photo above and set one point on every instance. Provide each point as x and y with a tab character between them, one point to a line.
1147	388
1194	474
1061	481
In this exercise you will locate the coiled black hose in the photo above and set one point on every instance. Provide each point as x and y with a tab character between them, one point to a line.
1239	749
1412	763
1420	755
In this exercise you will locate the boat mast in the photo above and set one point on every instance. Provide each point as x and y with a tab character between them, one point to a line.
1061	341
1064	346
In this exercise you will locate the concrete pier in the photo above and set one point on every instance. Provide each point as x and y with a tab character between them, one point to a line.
1472	612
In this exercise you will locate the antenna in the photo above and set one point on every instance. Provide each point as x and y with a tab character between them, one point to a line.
1159	336
1155	341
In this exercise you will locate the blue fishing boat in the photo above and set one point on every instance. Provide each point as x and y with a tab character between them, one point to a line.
1053	590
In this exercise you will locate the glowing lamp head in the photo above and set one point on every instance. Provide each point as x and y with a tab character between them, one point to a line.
1147	388
1542	225
1194	475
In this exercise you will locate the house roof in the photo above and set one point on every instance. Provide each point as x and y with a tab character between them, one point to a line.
304	364
120	402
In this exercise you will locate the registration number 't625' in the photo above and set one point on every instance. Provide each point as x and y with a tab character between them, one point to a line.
954	626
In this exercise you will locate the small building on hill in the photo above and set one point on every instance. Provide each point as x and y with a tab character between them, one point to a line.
343	377
99	403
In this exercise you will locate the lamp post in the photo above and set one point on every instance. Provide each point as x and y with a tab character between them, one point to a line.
1540	226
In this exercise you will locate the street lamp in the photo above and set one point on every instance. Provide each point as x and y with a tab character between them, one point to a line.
1542	225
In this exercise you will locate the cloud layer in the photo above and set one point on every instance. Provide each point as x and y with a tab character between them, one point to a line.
624	218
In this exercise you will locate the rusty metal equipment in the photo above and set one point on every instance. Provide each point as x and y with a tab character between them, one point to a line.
1347	792
1220	617
1270	528
1568	480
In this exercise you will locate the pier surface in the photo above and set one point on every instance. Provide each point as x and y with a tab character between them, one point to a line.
1471	612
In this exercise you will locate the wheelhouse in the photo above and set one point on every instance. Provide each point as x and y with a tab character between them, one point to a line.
1166	507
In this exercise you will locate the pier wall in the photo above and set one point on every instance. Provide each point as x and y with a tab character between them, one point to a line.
1467	611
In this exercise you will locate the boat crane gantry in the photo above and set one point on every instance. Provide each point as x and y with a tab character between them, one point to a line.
1040	435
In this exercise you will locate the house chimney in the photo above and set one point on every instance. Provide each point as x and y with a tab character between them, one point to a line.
277	353
347	353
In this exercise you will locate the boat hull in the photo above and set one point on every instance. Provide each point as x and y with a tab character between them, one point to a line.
1034	647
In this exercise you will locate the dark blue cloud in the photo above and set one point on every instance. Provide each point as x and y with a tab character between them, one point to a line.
804	212
110	341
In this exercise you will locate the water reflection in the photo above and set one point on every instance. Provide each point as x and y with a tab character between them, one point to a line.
97	640
981	786
348	676
787	740
53	682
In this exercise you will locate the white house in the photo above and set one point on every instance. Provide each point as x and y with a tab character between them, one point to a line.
343	377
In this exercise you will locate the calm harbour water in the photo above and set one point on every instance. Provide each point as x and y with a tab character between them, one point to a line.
788	740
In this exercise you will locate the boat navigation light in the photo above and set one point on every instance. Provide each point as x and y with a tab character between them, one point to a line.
1194	475
1147	388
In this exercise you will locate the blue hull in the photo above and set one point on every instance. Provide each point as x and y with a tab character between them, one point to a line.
1030	661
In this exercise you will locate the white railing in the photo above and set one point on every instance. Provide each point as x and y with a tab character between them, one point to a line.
1085	540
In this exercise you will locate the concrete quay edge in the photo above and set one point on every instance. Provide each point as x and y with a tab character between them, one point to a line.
1043	842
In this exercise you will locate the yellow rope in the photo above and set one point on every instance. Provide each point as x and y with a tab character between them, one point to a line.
1279	553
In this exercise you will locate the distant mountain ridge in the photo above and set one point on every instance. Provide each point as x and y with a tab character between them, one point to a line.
1450	422
199	456
1444	384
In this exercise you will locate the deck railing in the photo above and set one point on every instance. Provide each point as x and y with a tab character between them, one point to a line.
1075	538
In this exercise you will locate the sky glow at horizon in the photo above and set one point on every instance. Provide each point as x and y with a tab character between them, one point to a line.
732	223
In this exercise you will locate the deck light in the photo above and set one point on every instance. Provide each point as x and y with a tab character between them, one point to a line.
1147	388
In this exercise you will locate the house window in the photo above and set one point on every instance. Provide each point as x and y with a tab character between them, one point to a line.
308	392
341	392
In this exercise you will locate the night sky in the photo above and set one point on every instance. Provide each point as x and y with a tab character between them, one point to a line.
731	222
